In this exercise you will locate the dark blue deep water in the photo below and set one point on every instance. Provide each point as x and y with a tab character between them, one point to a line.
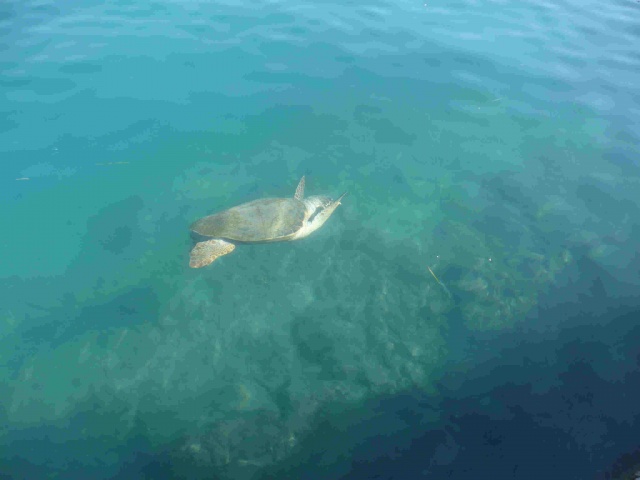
471	311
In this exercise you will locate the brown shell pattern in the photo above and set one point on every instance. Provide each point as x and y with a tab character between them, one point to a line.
262	220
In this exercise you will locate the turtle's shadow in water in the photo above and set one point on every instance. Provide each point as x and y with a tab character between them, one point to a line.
56	317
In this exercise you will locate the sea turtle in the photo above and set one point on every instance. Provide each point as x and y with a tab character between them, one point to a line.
260	221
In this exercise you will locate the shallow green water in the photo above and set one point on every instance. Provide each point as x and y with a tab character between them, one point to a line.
495	144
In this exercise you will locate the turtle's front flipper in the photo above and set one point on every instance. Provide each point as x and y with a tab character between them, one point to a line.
205	253
300	190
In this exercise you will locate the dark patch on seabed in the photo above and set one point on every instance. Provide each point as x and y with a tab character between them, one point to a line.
72	319
578	426
554	403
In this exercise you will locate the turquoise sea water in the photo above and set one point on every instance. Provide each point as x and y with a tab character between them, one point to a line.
470	311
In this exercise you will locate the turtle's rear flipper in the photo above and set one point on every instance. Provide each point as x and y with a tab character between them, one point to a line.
205	253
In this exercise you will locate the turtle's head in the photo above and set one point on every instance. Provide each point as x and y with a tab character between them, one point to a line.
319	209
